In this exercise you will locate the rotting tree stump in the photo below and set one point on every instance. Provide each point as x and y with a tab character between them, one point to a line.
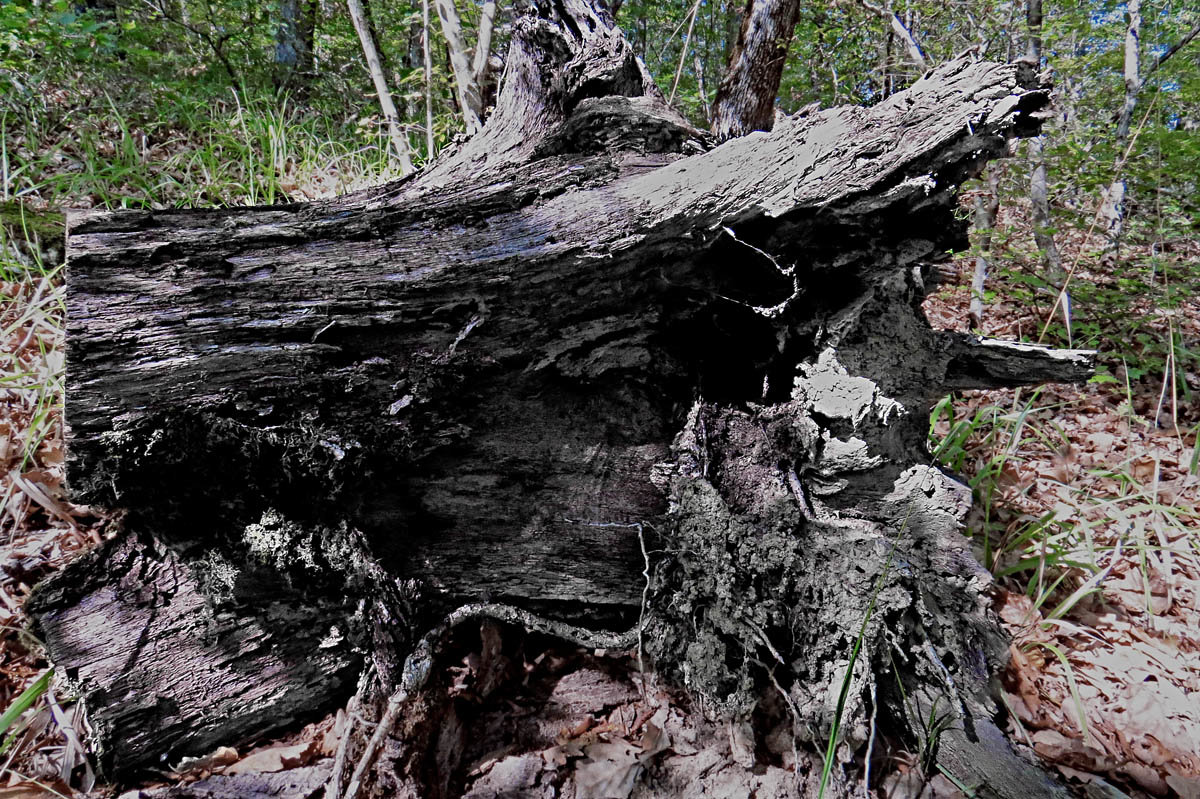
330	422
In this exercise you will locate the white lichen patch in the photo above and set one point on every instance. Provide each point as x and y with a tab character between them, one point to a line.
217	576
276	541
846	455
826	389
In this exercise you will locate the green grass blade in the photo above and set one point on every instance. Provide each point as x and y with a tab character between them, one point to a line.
23	703
845	691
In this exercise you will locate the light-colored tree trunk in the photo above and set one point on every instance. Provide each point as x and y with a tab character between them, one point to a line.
428	80
483	49
371	53
466	90
987	205
1039	200
1112	207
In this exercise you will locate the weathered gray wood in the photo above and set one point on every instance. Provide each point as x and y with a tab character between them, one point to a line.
476	383
176	657
981	362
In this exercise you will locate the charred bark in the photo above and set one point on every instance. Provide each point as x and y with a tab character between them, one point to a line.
584	336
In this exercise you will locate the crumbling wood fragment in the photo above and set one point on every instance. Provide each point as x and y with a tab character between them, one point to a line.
483	382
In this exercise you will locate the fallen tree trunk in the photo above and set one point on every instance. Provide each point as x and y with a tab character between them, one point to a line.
585	337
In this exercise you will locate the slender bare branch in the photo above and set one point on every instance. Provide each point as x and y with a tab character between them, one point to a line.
399	141
1170	51
913	49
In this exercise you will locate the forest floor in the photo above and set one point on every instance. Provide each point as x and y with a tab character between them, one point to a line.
1085	511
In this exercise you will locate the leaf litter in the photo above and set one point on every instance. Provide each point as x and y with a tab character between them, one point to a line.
1113	470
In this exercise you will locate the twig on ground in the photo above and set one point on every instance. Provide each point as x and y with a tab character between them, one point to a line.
419	664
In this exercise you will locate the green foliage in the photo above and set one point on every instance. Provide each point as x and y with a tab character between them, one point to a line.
36	37
985	445
22	703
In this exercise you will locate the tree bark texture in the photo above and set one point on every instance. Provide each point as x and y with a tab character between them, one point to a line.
584	338
745	98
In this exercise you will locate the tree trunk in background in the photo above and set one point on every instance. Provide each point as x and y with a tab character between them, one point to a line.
397	137
467	91
987	206
1112	207
368	13
1043	232
745	99
481	59
584	338
427	63
294	44
704	106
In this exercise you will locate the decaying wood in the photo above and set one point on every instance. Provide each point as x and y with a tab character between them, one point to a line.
332	422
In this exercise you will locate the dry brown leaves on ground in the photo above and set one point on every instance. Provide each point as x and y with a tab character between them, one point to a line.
39	529
1105	675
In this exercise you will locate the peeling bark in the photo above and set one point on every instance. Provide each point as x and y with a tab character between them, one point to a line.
583	336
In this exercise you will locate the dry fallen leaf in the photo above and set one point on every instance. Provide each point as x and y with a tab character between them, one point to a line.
223	756
609	771
277	758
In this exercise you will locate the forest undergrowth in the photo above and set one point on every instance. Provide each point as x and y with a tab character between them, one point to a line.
1086	513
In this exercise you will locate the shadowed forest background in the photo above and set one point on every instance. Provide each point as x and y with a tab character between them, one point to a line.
1085	498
